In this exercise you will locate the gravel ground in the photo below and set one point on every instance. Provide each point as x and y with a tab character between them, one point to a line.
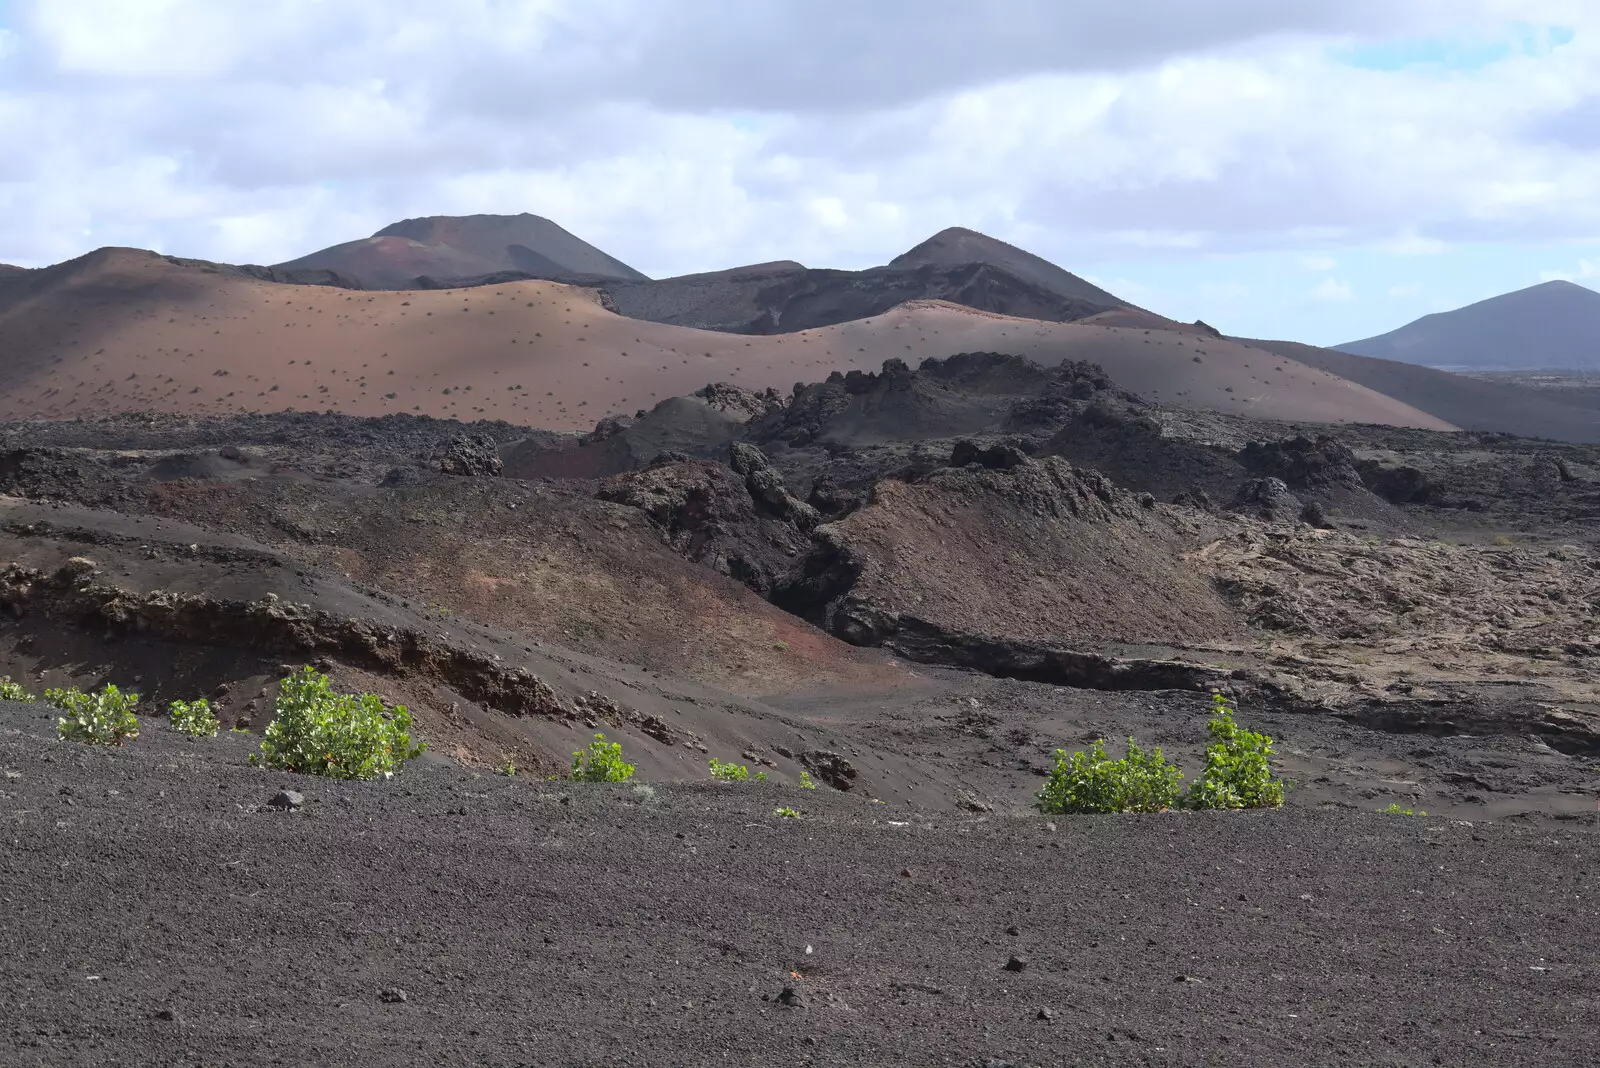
161	912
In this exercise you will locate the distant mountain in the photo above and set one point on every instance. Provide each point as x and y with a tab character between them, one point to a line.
1554	324
958	245
956	265
447	248
1467	402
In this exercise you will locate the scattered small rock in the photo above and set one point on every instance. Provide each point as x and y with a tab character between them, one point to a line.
1185	979
392	995
167	1014
789	997
1013	930
287	799
1016	964
1045	1014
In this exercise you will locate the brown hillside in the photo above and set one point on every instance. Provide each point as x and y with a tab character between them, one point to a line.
127	330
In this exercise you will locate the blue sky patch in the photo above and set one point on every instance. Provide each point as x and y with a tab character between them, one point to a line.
1453	53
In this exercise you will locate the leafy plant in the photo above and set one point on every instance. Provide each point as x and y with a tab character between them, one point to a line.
807	782
1238	772
1396	809
194	718
104	718
726	772
785	812
601	762
508	767
13	691
315	731
1091	782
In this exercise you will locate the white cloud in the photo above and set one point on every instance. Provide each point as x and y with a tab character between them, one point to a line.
700	134
1331	289
1585	269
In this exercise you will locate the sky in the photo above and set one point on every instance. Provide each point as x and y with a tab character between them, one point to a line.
1323	170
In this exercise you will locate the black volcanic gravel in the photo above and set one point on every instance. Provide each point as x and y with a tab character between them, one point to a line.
160	912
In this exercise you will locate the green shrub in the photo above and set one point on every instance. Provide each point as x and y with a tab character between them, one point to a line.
315	731
104	718
1092	782
508	767
787	813
601	762
13	691
728	772
194	718
1396	809
807	782
1238	772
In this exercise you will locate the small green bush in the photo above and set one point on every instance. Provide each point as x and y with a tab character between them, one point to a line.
508	767
1091	782
725	772
1397	809
104	718
601	762
807	782
1238	772
13	691
315	731
787	813
194	718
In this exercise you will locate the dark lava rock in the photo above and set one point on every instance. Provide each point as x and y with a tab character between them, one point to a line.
471	455
830	767
1303	463
287	799
1313	515
994	458
766	486
789	997
1397	485
709	514
1196	498
1016	964
1266	498
392	995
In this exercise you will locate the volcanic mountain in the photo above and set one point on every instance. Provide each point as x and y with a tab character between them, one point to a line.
448	248
1550	325
127	330
956	265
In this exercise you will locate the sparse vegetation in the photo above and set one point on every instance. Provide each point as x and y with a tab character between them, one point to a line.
807	782
1395	808
11	690
1238	772
601	761
103	718
1237	775
316	731
1091	782
727	772
507	767
194	718
787	813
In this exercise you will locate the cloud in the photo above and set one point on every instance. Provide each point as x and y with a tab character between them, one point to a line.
1331	289
699	134
1585	269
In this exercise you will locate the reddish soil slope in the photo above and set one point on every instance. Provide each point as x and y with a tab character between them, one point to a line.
127	330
